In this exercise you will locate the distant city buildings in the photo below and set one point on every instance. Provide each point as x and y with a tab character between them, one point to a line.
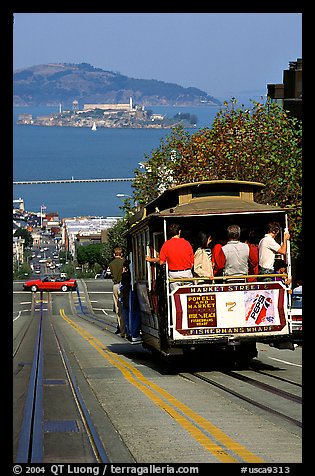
18	250
85	230
68	232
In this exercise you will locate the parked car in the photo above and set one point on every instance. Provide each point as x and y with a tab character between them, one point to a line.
37	269
296	314
50	283
104	274
108	274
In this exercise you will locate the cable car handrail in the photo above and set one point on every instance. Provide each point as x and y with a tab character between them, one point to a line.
224	278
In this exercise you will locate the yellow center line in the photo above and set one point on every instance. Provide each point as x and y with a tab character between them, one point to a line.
130	373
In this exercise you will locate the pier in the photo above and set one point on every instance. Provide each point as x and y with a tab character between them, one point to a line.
72	180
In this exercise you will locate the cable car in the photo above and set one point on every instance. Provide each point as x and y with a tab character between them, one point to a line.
208	315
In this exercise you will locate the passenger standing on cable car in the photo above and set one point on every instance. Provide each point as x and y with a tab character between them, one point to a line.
130	305
235	255
123	295
281	268
268	247
116	266
252	241
202	259
178	253
219	241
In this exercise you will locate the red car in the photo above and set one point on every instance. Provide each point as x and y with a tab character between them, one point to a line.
50	283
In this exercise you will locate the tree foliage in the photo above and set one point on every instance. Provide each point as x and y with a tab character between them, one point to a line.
90	254
262	144
26	235
115	238
102	253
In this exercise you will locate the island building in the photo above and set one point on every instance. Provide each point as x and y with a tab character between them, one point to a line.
109	107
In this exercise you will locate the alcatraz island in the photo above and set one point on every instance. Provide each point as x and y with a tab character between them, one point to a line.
96	116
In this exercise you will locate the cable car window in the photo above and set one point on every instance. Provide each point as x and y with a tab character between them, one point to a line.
216	193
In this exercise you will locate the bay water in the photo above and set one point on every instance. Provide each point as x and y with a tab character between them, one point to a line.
56	153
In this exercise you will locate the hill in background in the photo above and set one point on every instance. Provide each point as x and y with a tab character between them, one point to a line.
51	84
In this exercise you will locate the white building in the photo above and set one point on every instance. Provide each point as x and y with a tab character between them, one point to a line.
18	250
83	226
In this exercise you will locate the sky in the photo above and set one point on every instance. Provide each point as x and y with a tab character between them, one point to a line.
224	54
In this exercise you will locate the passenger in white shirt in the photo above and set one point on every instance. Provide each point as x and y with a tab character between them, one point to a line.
268	247
235	255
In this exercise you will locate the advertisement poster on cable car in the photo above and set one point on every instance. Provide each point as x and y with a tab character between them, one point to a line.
220	309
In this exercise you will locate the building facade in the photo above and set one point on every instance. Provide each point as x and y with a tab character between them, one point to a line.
289	93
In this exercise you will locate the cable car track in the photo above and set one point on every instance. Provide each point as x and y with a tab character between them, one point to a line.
95	441
244	398
265	386
31	437
253	366
249	380
77	310
23	332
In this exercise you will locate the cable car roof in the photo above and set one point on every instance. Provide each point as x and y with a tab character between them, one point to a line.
218	206
207	198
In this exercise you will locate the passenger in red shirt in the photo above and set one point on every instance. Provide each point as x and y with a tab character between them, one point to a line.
252	242
217	263
178	253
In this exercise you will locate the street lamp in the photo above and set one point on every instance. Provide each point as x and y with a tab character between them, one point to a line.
125	195
42	207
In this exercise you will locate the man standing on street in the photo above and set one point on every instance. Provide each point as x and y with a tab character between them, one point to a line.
116	266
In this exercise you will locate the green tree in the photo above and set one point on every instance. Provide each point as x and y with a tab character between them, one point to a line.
22	271
65	256
90	254
262	144
115	238
26	235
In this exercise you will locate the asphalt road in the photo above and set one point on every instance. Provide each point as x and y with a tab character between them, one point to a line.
147	410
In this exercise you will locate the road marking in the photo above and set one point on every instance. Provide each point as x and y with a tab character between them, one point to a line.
100	309
19	315
100	292
188	419
285	362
